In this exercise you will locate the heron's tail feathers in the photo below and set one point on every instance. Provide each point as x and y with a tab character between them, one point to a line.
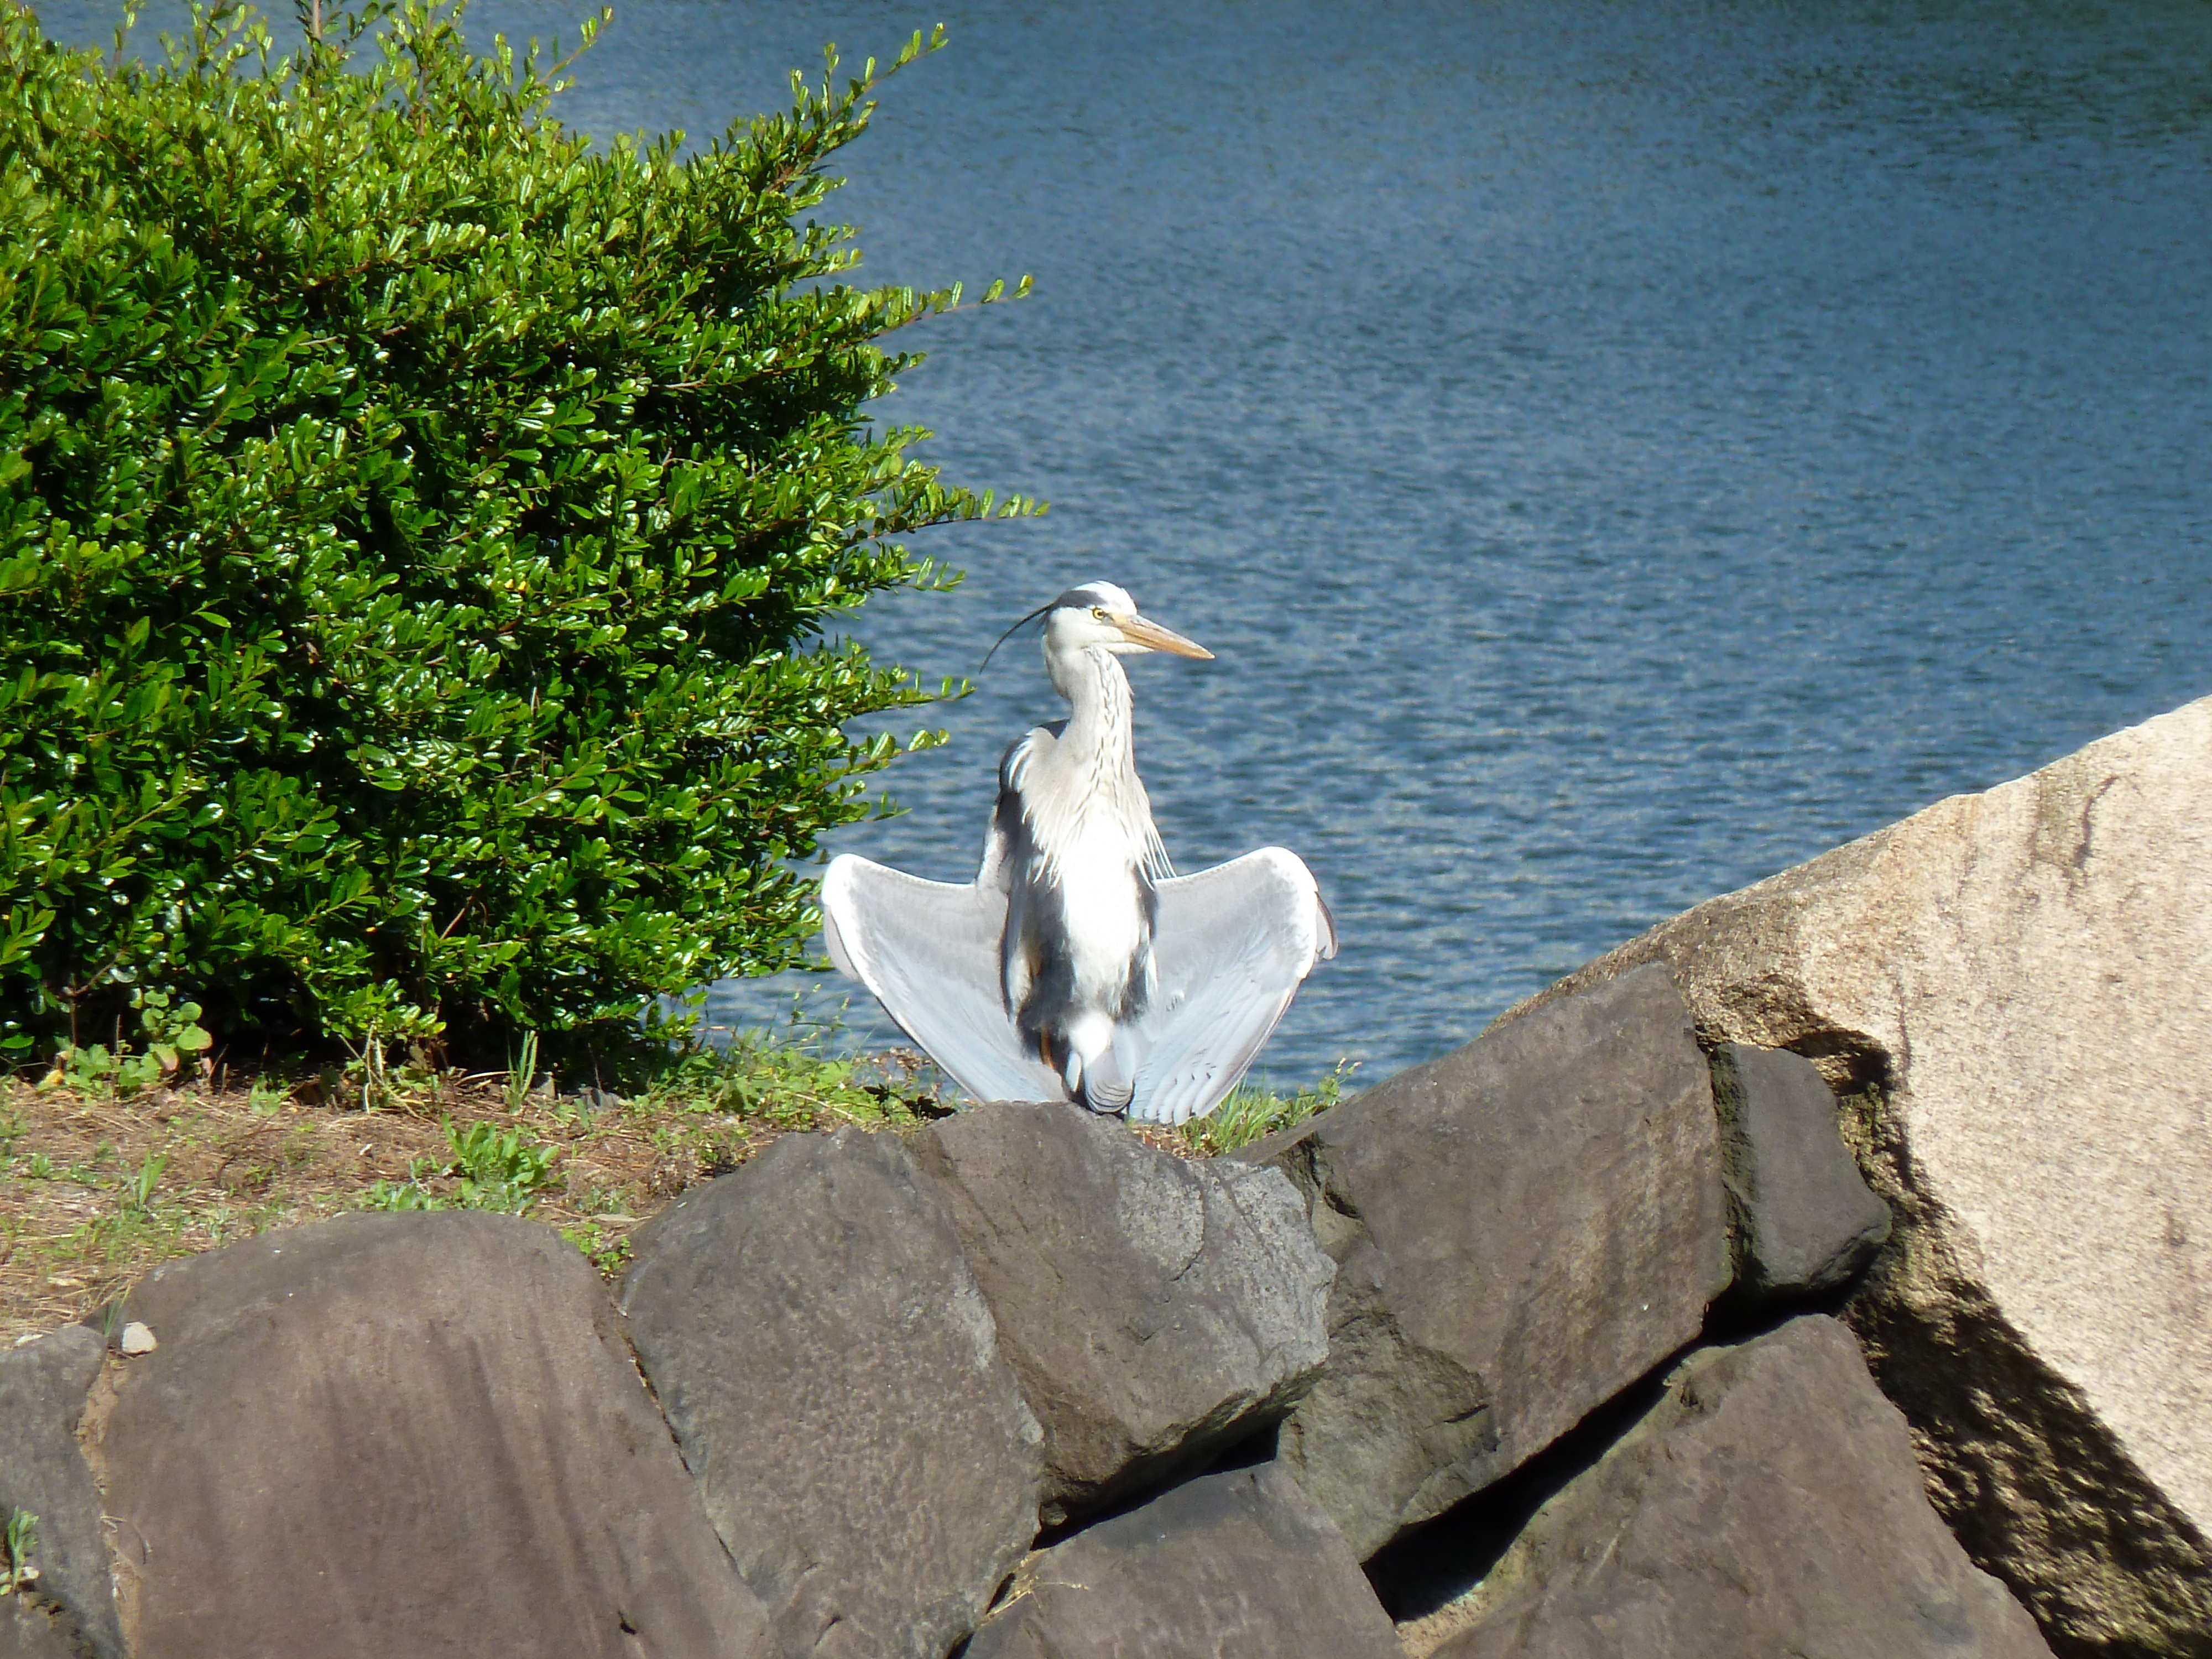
1109	1098
1097	1071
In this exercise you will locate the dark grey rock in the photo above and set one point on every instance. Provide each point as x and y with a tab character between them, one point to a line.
834	1378
1769	1504
1522	1228
1805	1219
403	1434
1238	1565
43	1387
1153	1307
33	1629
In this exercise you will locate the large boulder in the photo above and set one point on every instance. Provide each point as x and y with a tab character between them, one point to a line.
1153	1307
834	1378
1522	1228
2013	988
1805	1220
1768	1504
1237	1566
43	1387
402	1434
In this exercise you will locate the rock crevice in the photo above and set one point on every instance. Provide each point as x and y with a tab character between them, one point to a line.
1524	1227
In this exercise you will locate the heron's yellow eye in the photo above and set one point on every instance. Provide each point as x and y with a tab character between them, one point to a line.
1099	611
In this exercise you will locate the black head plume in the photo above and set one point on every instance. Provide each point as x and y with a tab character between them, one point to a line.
1047	605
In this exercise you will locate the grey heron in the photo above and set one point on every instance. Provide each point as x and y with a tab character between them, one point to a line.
1078	965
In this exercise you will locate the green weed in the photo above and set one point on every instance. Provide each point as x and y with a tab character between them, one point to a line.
23	1539
1253	1111
168	1039
789	1079
138	1184
408	1194
608	1252
497	1170
522	1073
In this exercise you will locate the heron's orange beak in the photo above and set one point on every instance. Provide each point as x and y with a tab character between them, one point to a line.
1142	630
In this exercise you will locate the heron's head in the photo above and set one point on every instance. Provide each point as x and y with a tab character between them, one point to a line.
1101	614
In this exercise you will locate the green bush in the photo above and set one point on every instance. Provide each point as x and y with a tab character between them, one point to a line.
418	535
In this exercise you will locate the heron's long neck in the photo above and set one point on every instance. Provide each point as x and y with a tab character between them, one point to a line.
1100	738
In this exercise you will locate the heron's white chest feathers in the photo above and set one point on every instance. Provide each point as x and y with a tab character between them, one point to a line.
1102	908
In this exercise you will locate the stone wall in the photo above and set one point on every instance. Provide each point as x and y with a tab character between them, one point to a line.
1820	1273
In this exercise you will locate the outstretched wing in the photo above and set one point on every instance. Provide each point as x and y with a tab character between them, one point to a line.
1230	948
929	951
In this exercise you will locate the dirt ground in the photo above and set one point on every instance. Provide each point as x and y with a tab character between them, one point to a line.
95	1190
98	1188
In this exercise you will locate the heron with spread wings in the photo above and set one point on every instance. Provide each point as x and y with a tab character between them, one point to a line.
1078	965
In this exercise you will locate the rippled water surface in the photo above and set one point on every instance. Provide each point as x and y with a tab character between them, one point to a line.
1616	451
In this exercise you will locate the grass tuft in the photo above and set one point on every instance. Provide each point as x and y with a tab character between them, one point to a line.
1253	1111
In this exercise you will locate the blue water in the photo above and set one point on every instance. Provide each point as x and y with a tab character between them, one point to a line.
1617	450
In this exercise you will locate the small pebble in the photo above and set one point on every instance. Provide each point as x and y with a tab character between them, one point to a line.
138	1338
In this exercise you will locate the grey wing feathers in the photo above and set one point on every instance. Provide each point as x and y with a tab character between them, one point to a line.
929	951
1229	949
